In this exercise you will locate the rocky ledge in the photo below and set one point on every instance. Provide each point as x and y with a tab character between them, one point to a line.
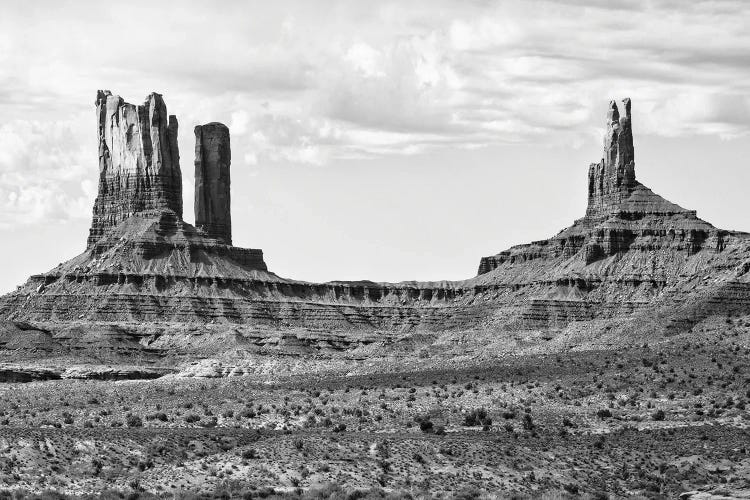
30	373
636	266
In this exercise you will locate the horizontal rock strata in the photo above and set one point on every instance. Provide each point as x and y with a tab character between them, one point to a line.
635	266
139	161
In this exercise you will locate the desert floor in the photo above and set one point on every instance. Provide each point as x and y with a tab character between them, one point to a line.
651	421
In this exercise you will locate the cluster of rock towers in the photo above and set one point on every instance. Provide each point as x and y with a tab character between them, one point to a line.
139	167
634	263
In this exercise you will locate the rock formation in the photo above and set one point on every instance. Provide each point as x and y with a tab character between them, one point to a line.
212	198
613	188
613	179
139	162
630	257
137	234
634	267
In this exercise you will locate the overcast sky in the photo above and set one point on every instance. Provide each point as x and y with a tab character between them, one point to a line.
376	140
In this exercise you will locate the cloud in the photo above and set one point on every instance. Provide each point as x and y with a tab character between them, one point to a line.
238	124
701	112
308	82
43	170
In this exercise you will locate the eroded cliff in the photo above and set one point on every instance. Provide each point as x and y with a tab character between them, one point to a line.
139	161
635	267
213	158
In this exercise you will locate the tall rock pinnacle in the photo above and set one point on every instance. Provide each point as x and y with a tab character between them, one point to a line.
212	198
139	162
613	179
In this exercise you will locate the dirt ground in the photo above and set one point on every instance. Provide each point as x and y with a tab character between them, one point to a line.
650	421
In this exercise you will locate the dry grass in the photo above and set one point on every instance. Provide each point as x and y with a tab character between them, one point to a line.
644	421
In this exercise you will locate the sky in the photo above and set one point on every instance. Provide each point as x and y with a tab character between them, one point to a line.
384	140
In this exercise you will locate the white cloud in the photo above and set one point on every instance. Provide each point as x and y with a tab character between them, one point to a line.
42	173
239	123
701	112
365	59
310	82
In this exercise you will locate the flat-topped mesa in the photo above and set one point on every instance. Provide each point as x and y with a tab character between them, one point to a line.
213	158
612	180
139	161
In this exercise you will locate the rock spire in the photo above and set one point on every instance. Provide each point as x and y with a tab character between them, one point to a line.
612	180
212	181
139	162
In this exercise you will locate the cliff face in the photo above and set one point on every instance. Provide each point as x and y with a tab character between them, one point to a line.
636	266
137	232
612	180
139	161
613	188
635	260
212	181
622	213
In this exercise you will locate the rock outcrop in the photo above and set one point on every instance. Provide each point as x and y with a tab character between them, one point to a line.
622	213
137	234
631	255
139	161
613	188
636	266
212	197
612	180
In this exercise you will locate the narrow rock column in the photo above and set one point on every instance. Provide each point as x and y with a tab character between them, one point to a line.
213	157
625	150
612	179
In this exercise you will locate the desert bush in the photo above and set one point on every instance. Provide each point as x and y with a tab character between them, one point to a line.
477	417
143	465
603	413
133	420
96	466
247	413
209	422
527	421
599	443
425	424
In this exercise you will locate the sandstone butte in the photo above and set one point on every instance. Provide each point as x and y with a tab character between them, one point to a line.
635	268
